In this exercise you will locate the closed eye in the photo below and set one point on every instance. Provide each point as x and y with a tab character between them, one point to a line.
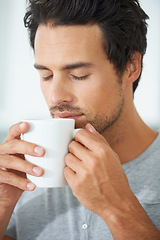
47	78
79	78
73	76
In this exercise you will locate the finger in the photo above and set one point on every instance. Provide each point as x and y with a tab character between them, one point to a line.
69	175
89	140
21	147
91	129
15	163
16	181
79	150
73	162
16	130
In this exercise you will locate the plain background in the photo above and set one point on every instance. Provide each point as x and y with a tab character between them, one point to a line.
20	94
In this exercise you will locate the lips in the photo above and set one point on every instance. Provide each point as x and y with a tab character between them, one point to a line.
67	115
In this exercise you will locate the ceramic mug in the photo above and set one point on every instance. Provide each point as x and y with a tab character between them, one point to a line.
54	135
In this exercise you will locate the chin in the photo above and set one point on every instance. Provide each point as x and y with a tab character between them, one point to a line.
80	124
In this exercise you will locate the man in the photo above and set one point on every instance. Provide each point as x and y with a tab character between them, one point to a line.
89	55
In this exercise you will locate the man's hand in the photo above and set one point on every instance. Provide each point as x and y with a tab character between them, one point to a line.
94	172
13	167
96	177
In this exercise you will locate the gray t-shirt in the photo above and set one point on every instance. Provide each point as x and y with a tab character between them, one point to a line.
56	214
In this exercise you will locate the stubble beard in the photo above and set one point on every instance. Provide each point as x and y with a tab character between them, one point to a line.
101	122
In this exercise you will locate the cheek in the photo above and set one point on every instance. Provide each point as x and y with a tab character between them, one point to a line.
97	97
103	97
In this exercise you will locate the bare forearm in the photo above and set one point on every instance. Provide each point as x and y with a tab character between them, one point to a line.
132	223
130	229
5	215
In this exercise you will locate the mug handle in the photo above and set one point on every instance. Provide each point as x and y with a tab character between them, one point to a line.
75	131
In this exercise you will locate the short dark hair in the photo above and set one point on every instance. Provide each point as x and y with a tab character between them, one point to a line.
123	23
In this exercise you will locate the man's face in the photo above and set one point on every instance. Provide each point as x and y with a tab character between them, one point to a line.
77	80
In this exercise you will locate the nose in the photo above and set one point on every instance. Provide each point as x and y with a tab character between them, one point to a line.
60	91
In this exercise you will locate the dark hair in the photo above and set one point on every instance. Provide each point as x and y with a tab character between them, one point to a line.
123	23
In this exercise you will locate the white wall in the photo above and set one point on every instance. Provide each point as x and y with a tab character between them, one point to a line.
20	95
147	97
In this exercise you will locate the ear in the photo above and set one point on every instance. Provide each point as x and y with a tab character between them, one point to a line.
133	68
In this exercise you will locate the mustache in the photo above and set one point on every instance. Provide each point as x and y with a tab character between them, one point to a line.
64	108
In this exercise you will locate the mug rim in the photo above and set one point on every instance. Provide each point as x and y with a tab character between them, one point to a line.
48	120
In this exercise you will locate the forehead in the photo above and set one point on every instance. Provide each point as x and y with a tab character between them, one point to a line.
68	42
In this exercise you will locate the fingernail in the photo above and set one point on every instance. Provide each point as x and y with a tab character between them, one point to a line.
91	128
39	150
22	125
31	186
37	170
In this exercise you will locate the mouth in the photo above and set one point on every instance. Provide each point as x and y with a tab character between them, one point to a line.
67	115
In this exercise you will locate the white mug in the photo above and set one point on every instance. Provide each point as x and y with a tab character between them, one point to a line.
54	135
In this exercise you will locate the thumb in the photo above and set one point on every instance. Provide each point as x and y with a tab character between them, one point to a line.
91	129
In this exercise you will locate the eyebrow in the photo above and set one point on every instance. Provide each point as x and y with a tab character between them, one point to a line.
40	67
66	67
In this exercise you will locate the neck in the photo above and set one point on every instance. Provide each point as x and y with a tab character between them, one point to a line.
129	136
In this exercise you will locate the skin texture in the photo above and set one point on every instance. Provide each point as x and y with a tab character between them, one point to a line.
78	82
63	91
